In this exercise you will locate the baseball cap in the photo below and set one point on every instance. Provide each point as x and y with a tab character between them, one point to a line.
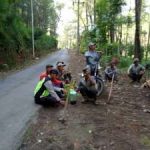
60	64
91	44
54	71
136	60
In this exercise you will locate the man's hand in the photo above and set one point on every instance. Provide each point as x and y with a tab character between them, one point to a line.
93	82
62	103
64	91
100	52
142	72
77	90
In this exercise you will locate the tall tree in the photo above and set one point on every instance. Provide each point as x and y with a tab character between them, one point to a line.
107	13
15	27
114	10
137	47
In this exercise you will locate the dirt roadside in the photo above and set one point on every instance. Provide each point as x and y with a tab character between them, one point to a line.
124	124
24	65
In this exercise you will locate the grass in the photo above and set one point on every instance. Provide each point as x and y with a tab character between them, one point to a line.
145	140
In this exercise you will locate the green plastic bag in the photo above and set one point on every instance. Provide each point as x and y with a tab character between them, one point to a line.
72	96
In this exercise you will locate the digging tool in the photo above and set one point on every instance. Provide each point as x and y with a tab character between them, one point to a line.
110	92
63	116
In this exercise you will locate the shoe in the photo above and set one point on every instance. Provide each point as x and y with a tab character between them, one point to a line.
138	81
84	101
132	81
95	103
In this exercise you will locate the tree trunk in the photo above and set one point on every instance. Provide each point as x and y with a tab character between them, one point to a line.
94	12
87	19
91	21
148	42
112	33
120	35
137	47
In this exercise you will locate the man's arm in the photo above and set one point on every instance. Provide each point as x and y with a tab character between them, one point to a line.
92	80
90	60
129	69
50	88
57	89
42	75
142	67
98	57
107	70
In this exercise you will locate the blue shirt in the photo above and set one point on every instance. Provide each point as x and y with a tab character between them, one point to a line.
92	57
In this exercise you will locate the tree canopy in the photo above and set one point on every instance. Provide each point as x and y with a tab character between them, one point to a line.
15	28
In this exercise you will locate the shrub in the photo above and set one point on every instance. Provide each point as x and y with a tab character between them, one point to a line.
45	42
125	62
105	60
112	48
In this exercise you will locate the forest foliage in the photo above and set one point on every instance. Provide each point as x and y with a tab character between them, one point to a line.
115	32
16	31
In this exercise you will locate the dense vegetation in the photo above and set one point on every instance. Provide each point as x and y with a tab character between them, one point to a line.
16	31
125	34
117	33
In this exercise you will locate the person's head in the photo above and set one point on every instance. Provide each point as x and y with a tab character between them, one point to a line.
86	72
48	68
115	60
60	66
112	64
136	61
92	46
54	73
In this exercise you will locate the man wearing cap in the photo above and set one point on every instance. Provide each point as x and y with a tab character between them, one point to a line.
92	57
60	67
111	72
87	86
45	93
62	73
58	84
136	71
47	72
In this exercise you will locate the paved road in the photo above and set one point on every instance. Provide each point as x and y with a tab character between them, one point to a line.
16	100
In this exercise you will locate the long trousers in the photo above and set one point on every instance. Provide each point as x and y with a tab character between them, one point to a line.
88	93
135	77
46	101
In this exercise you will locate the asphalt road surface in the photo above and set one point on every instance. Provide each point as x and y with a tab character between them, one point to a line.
17	106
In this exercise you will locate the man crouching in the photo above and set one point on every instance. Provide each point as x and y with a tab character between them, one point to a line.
136	71
45	92
87	87
111	72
